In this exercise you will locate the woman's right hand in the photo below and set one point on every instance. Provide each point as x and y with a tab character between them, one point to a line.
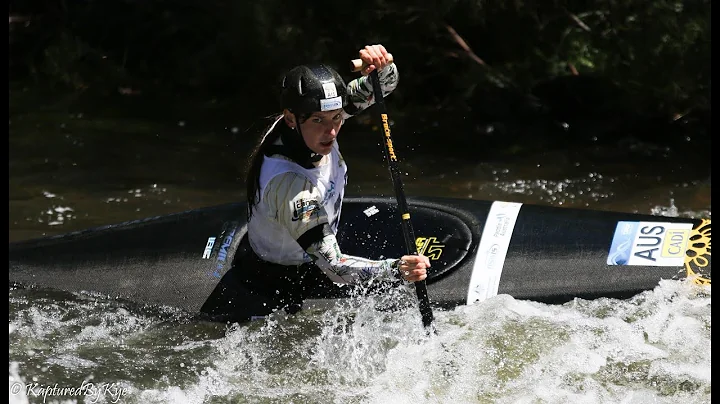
413	268
374	57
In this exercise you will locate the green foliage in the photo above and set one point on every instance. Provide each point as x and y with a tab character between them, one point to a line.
657	51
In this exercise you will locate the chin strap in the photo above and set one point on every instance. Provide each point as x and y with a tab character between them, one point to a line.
293	147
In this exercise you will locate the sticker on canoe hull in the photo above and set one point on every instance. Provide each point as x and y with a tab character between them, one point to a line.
659	244
208	247
429	247
697	262
371	211
490	258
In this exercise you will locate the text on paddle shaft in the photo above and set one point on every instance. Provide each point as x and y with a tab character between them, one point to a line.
388	139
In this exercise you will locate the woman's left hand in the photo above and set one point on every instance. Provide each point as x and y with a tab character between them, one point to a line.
374	57
413	268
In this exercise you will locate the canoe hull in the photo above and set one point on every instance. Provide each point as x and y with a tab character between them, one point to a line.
477	249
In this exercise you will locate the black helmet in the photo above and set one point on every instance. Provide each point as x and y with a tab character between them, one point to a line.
310	88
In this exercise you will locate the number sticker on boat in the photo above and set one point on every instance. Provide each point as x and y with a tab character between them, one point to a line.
649	244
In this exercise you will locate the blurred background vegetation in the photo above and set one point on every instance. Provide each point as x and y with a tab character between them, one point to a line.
509	74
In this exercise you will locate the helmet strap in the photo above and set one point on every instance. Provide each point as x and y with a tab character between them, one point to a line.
314	157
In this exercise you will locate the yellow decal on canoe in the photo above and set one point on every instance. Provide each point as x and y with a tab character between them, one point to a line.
429	247
697	258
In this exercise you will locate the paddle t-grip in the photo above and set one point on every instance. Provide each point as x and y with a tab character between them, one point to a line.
357	64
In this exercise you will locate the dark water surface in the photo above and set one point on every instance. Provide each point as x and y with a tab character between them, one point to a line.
71	170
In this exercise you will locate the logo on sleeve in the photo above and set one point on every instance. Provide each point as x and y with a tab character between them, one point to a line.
304	209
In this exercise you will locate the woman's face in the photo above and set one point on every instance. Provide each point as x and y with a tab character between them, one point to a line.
320	130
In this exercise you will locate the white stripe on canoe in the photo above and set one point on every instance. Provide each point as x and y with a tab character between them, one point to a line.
490	258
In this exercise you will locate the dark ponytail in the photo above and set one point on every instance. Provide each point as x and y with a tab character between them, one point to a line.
254	163
255	160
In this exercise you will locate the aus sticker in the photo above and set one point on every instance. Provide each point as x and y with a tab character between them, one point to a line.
649	244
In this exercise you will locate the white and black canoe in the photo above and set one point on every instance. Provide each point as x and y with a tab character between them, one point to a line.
477	249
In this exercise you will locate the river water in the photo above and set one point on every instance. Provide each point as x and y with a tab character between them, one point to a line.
71	170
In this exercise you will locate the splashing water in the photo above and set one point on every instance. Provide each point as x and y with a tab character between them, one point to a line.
653	348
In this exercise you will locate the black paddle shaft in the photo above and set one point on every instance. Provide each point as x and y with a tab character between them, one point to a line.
408	232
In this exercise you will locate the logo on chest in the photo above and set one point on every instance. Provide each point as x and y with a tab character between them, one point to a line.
304	209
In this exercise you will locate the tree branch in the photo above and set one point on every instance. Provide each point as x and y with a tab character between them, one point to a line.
464	45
